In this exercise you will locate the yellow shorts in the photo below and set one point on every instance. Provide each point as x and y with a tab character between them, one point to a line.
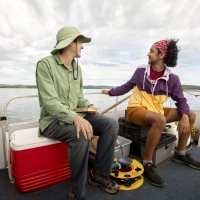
136	115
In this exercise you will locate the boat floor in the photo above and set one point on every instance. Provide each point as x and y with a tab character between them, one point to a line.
183	183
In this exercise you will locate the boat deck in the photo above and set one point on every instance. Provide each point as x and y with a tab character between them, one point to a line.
182	184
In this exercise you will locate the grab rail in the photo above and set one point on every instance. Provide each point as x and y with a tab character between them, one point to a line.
4	123
5	109
114	105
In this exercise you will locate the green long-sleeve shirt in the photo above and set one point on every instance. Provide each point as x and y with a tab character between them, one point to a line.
59	94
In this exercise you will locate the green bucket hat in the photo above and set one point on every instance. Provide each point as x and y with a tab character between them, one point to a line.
66	35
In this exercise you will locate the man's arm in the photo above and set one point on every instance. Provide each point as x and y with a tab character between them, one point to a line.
178	96
120	90
182	107
49	97
50	100
82	102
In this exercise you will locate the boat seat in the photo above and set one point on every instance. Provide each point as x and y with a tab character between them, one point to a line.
36	161
29	138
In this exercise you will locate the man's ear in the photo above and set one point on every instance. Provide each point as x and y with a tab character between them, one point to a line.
74	42
161	55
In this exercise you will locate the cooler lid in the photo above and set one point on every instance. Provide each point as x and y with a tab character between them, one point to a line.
29	138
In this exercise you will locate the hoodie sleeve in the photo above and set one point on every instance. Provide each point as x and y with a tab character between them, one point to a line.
123	89
178	96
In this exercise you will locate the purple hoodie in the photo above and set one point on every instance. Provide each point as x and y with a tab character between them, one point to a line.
153	93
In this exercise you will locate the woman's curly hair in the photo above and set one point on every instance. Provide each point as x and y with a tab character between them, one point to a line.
171	56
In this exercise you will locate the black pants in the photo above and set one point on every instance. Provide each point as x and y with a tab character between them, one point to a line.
103	126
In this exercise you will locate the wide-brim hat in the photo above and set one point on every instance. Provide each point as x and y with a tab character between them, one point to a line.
66	36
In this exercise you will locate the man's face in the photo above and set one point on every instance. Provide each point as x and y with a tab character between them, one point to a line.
153	55
76	47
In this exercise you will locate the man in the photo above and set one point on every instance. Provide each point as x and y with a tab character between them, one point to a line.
152	84
59	82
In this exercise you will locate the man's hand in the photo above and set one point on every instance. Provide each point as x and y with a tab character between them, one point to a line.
104	92
83	126
184	125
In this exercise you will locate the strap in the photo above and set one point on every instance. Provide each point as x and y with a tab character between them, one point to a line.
3	118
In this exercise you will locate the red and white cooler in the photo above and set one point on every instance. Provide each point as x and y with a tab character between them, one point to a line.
37	162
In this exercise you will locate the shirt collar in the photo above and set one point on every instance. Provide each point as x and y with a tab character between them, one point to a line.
60	61
58	58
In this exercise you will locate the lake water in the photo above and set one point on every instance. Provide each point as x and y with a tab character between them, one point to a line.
28	108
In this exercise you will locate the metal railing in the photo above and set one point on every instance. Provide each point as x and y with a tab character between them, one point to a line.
5	124
4	115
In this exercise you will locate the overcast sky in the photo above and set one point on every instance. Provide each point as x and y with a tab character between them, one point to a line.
122	32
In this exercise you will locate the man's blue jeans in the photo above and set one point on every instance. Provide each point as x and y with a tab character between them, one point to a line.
106	128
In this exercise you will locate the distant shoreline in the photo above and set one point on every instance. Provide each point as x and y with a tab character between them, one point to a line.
87	86
34	86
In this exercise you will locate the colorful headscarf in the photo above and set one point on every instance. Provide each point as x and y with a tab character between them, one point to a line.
162	45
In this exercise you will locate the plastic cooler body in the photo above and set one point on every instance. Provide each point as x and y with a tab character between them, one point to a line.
37	162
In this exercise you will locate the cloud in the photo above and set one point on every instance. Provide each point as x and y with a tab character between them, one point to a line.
122	33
